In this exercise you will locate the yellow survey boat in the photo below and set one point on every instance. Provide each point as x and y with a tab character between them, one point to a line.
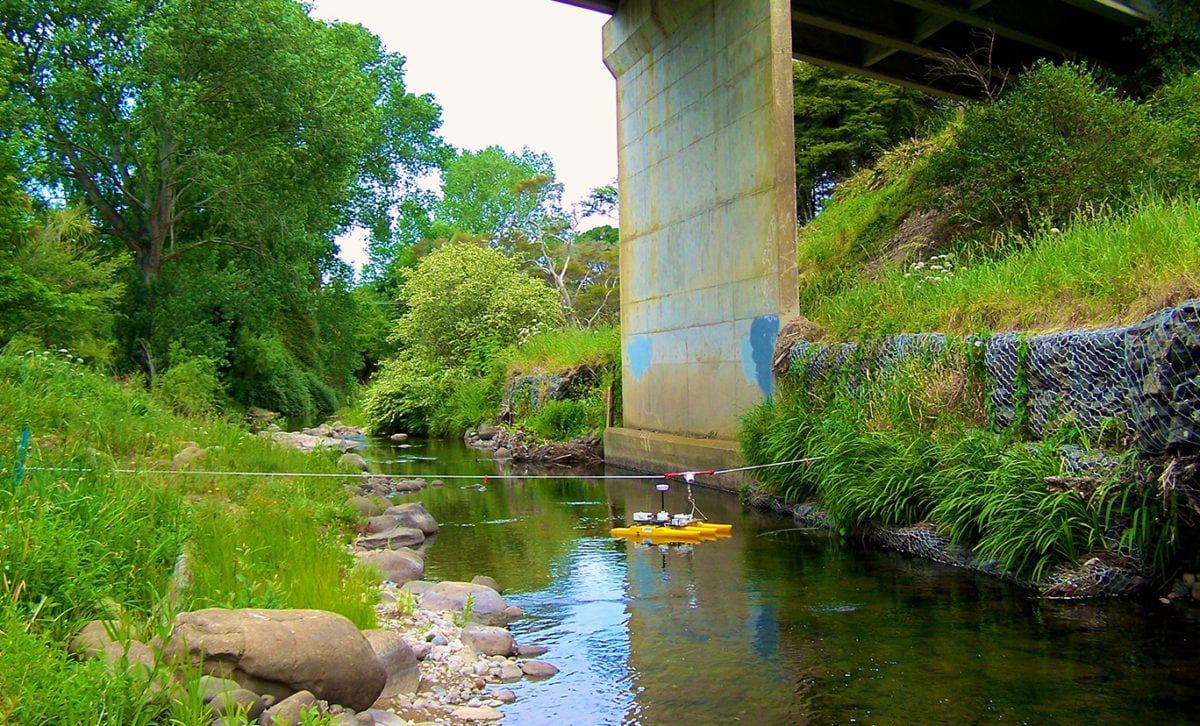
691	532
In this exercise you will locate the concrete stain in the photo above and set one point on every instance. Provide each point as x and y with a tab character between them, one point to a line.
638	352
757	348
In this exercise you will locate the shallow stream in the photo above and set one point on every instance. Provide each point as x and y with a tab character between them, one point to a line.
778	625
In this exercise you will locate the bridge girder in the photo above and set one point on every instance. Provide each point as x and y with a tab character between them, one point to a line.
941	46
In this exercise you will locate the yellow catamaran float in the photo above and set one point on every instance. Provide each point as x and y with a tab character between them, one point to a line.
665	528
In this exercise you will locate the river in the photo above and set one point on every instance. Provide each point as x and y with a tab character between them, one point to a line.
778	625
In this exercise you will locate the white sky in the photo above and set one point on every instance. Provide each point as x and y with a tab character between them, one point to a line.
514	73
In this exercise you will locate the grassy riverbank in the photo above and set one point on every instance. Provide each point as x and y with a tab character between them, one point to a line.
1062	206
80	541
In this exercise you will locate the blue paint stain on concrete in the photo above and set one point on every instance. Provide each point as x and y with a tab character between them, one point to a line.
757	349
637	351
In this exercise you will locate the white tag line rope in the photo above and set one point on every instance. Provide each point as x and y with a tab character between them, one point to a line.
688	476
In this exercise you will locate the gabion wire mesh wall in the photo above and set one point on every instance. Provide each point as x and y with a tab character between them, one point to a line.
1144	378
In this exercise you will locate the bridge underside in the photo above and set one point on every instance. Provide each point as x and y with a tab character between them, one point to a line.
706	176
923	43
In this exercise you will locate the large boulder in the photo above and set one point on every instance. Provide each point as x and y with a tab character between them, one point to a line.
353	461
413	514
487	639
397	659
393	538
400	565
487	606
281	652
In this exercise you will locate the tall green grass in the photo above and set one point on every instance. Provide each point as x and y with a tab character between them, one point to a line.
1102	271
895	449
79	541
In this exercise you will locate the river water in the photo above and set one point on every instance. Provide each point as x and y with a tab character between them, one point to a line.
778	625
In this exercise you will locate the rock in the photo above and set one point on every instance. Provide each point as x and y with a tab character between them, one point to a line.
487	606
413	514
510	672
398	661
503	453
487	433
352	461
437	483
392	539
531	651
280	652
212	686
487	582
382	523
291	710
416	587
513	613
95	640
538	668
376	485
237	701
399	437
384	718
398	565
408	485
503	695
476	713
487	640
184	460
364	506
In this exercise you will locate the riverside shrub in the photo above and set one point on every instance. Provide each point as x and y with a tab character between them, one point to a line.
1055	144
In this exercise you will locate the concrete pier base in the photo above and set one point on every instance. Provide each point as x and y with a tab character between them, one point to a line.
656	453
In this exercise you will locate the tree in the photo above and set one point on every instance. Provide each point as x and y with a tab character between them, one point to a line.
236	122
843	122
513	202
463	299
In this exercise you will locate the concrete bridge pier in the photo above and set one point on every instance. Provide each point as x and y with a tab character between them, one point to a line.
708	221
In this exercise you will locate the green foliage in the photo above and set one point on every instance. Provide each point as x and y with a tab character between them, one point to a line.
472	401
463	296
566	348
406	392
496	196
56	291
1055	144
1107	271
84	542
564	419
290	553
190	386
1172	39
843	122
910	445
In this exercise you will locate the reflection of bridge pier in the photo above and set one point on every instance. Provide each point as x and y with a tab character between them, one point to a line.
706	165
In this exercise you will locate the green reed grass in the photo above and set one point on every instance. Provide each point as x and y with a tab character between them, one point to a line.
894	455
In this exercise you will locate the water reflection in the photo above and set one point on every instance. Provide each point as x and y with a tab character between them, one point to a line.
778	625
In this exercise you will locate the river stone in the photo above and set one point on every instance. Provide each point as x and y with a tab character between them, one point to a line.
186	458
413	514
408	485
392	539
397	659
487	433
280	652
290	711
531	651
94	641
487	606
399	565
513	613
236	701
364	506
538	668
476	713
487	582
382	523
417	587
487	640
353	461
510	672
399	437
503	695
